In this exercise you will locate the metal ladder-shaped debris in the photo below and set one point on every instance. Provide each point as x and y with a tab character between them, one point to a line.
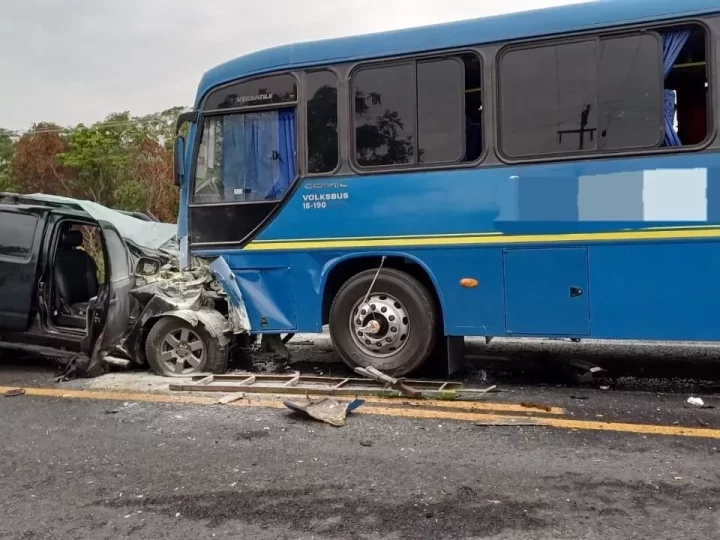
380	386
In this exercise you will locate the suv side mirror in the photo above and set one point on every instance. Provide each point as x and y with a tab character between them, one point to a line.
179	160
147	266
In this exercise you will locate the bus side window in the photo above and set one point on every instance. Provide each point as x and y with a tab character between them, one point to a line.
687	86
420	113
322	122
645	90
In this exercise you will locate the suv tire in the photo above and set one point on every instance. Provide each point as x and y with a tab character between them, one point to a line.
174	347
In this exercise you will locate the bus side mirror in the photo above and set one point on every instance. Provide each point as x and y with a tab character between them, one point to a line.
179	160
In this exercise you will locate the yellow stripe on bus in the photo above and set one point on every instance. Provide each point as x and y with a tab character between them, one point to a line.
483	239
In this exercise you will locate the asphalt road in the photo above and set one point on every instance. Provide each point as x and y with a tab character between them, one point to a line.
97	468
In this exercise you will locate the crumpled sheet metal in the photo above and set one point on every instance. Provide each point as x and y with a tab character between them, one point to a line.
237	311
213	321
195	289
327	409
181	289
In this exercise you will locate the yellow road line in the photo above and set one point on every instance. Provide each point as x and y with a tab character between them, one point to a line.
469	406
562	423
415	412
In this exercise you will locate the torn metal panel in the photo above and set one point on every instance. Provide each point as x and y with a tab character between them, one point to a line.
236	307
327	409
196	295
184	253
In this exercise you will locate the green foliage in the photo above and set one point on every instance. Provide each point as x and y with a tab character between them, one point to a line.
102	154
7	148
130	195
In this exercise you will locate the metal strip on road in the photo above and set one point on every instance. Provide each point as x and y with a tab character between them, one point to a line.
412	413
297	383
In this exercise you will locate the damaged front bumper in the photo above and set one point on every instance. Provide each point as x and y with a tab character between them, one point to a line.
204	294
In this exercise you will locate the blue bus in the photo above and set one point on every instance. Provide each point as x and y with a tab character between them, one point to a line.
551	173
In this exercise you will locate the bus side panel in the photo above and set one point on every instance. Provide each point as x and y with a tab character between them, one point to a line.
269	298
478	311
546	291
653	291
658	291
268	284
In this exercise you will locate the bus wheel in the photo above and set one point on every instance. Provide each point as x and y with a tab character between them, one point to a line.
394	330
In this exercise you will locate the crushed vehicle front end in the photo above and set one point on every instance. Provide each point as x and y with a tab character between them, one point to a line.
196	296
181	321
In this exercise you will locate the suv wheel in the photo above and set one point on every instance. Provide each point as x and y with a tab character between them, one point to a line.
175	347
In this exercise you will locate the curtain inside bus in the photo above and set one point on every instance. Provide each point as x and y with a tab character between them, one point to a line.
673	42
286	172
258	155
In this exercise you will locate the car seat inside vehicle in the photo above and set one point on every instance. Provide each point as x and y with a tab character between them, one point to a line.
76	279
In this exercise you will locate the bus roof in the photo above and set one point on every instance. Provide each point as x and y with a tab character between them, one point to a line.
499	28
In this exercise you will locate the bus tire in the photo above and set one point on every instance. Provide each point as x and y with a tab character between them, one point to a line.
394	331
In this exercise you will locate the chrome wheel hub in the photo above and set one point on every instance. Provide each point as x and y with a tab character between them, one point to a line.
380	326
182	351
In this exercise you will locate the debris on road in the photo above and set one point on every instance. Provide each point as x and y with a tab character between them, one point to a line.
230	398
15	392
546	408
699	403
696	402
584	372
581	398
295	383
327	409
397	384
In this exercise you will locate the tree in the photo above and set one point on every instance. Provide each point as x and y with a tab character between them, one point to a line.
122	162
161	126
151	185
35	165
102	154
7	149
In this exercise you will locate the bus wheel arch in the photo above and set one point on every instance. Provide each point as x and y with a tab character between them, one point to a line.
339	271
403	306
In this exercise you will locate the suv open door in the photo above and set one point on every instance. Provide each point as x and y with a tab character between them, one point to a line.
109	313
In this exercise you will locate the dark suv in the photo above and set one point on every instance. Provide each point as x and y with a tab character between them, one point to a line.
70	283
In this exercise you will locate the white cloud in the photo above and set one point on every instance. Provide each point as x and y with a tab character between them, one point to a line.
72	61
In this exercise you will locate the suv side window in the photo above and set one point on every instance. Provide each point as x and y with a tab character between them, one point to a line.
17	232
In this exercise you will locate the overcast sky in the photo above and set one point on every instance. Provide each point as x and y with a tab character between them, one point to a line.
70	61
